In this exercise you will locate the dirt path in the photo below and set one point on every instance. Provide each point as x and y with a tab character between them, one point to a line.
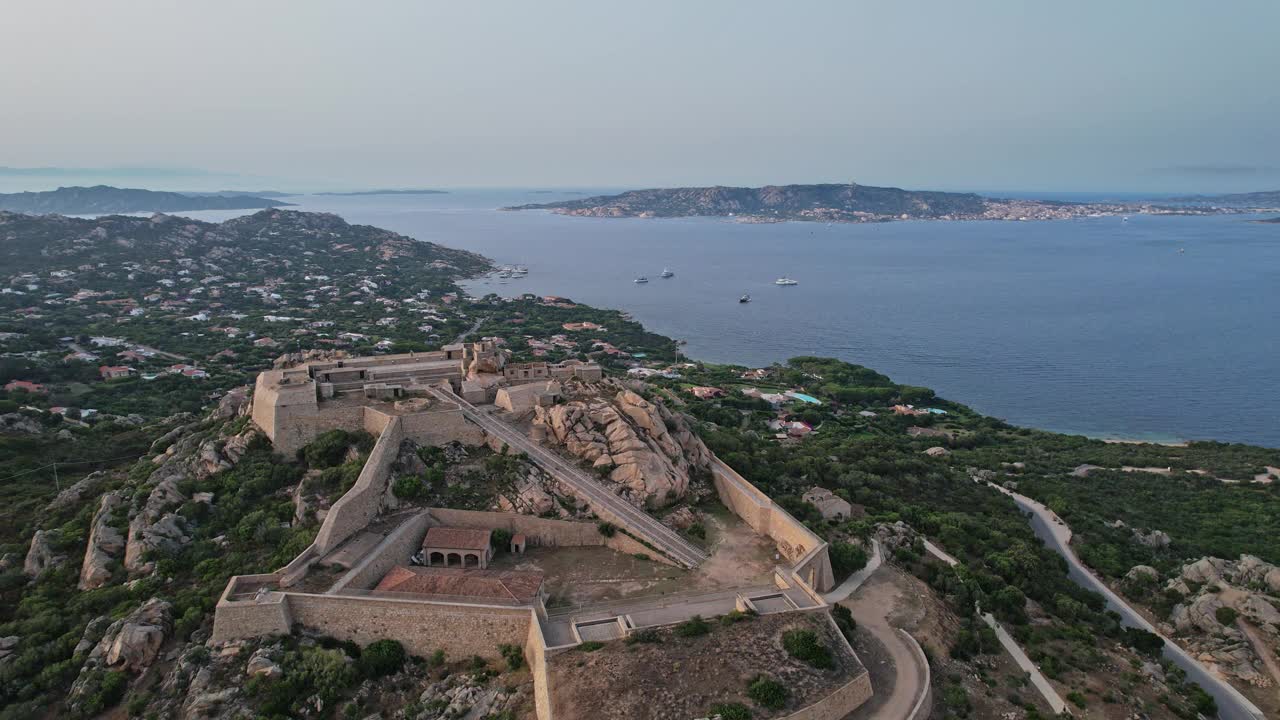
871	606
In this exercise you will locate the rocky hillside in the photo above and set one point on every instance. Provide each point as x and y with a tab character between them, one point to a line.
101	199
272	240
646	450
792	202
1226	613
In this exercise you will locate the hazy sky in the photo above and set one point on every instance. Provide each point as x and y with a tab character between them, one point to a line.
1114	95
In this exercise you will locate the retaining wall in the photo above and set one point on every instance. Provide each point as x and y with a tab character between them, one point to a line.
359	506
395	549
422	627
797	543
844	700
924	704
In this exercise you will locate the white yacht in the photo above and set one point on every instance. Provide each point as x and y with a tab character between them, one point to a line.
666	272
641	279
784	280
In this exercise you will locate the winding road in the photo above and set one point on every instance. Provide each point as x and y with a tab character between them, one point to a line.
633	519
1232	705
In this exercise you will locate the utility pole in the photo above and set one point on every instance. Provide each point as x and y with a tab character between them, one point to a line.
56	482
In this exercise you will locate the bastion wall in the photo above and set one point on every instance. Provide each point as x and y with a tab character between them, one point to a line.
797	543
359	505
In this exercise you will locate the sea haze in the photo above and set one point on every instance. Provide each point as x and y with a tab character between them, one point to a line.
1095	326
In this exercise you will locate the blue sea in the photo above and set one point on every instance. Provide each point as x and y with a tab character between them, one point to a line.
1095	326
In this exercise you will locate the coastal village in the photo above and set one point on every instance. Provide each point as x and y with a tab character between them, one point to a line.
546	509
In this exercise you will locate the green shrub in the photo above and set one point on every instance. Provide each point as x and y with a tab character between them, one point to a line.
409	487
844	620
590	646
846	559
1077	699
767	692
607	529
736	616
329	448
693	627
804	646
436	659
513	654
731	711
697	530
1226	615
382	658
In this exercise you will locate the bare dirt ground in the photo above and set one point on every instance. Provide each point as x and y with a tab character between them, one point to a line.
584	575
682	678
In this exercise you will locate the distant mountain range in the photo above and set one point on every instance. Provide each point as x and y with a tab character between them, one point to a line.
854	203
103	199
1264	198
388	192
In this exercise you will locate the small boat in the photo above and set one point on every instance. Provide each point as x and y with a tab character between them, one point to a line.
1181	250
784	280
744	299
640	280
504	274
666	272
519	271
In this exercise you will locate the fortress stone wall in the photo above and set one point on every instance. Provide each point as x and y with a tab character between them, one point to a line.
422	627
395	549
359	506
797	543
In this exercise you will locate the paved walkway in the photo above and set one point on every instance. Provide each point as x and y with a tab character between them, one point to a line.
1011	646
854	581
1232	705
871	607
630	517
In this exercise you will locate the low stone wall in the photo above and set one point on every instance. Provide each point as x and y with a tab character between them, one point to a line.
394	550
797	543
844	700
422	627
359	506
924	704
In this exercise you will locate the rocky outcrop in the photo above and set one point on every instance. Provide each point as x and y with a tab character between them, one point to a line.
1243	587
76	493
234	404
188	460
1141	574
894	536
40	556
105	544
642	447
1155	539
534	493
19	423
129	644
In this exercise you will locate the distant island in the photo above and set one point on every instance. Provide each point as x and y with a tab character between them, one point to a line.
847	203
1262	199
104	199
388	192
239	193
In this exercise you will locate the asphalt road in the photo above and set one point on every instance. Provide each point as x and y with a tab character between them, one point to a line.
1231	704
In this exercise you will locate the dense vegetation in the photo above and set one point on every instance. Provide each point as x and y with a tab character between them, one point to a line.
874	458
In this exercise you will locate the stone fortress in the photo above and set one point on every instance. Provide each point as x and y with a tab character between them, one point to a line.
422	576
